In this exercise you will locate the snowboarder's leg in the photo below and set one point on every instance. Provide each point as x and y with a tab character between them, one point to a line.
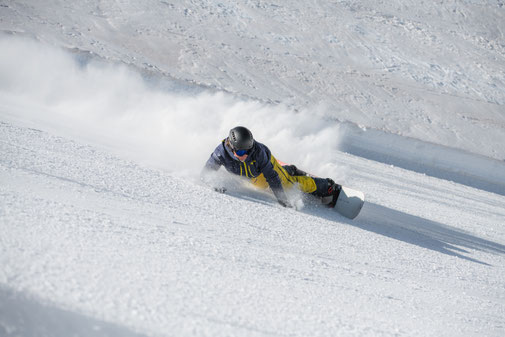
327	190
290	175
294	171
303	182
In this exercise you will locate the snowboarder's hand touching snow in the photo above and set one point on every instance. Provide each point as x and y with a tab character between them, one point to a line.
285	203
220	189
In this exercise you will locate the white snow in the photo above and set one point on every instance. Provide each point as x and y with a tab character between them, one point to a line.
109	109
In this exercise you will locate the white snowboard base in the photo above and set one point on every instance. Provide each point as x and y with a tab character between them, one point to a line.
349	202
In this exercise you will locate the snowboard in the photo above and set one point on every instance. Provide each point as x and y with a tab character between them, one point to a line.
349	202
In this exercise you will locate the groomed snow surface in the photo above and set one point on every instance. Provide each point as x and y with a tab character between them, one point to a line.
108	111
89	238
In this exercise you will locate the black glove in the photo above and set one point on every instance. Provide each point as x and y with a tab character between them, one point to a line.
282	199
284	203
220	189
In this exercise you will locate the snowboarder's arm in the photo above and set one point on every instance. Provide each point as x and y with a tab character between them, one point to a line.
213	164
281	198
215	160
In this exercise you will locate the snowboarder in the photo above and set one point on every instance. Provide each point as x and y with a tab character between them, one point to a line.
240	154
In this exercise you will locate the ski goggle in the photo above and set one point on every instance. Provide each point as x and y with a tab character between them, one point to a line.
240	153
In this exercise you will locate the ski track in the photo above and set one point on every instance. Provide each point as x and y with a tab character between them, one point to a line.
93	234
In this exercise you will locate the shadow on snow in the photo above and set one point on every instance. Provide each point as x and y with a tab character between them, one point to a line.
393	224
415	230
22	315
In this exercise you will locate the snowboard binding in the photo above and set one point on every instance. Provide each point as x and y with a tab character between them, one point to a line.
334	191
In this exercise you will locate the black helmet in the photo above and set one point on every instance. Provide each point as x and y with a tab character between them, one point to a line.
241	138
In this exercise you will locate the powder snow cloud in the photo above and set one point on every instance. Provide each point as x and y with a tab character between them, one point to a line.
114	106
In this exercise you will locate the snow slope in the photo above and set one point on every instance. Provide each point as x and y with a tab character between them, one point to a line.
106	231
106	238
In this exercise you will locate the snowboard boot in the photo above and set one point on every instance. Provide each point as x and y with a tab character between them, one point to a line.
327	190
